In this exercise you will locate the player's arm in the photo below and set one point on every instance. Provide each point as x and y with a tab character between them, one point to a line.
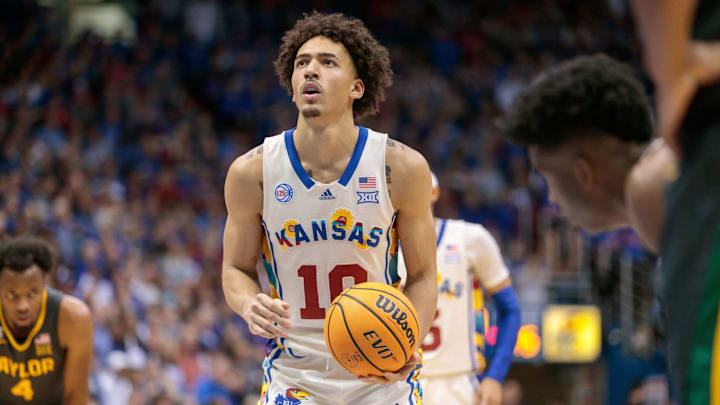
75	330
645	192
241	247
489	268
412	192
408	178
665	26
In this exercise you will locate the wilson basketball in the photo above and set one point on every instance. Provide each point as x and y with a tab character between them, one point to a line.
371	328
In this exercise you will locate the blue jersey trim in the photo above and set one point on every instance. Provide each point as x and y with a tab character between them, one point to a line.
355	158
267	367
294	355
295	160
349	169
387	251
414	383
278	287
441	232
471	321
274	357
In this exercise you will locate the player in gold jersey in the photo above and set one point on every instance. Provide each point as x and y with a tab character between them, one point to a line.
46	336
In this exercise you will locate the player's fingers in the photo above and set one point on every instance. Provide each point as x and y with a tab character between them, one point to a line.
415	359
269	315
276	305
269	326
257	330
401	374
371	379
280	307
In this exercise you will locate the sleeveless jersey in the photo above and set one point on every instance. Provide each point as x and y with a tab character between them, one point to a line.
322	238
31	372
454	343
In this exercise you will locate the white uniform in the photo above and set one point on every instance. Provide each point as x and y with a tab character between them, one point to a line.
453	348
320	239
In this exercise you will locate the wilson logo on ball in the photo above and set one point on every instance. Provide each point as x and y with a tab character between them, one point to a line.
388	306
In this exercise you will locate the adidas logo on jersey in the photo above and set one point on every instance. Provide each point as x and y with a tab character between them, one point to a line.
327	195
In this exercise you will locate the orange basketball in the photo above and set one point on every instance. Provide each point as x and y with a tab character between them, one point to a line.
371	328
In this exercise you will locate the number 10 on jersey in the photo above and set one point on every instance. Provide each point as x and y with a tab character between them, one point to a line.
308	273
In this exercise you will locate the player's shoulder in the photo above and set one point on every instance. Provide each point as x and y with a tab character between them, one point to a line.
406	167
645	191
454	225
658	163
465	225
404	157
647	179
247	165
74	309
477	233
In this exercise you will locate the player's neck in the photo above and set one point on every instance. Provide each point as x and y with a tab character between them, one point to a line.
322	143
19	333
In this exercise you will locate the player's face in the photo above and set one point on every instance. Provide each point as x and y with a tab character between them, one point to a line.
21	296
576	202
324	79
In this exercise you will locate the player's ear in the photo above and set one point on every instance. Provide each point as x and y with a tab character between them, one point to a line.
583	173
357	90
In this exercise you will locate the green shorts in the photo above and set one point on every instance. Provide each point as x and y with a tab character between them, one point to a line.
690	271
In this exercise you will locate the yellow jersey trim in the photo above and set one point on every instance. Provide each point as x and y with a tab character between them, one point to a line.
33	332
715	367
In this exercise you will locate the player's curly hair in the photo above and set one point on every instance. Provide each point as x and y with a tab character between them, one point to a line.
372	60
578	98
20	253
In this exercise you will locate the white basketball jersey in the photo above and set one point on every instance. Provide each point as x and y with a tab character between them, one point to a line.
323	238
454	344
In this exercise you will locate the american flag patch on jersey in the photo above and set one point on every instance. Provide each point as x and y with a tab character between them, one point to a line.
367	182
42	339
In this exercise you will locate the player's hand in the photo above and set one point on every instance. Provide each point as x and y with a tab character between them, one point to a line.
674	97
267	317
400	375
489	392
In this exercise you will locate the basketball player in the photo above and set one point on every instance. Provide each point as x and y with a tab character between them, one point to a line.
326	203
452	357
46	337
588	127
682	56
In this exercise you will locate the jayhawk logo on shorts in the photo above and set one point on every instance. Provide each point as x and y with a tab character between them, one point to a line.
293	396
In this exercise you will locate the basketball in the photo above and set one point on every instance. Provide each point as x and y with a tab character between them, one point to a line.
371	328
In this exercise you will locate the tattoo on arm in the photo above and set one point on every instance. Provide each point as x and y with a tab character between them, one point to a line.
392	143
253	153
260	183
387	179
